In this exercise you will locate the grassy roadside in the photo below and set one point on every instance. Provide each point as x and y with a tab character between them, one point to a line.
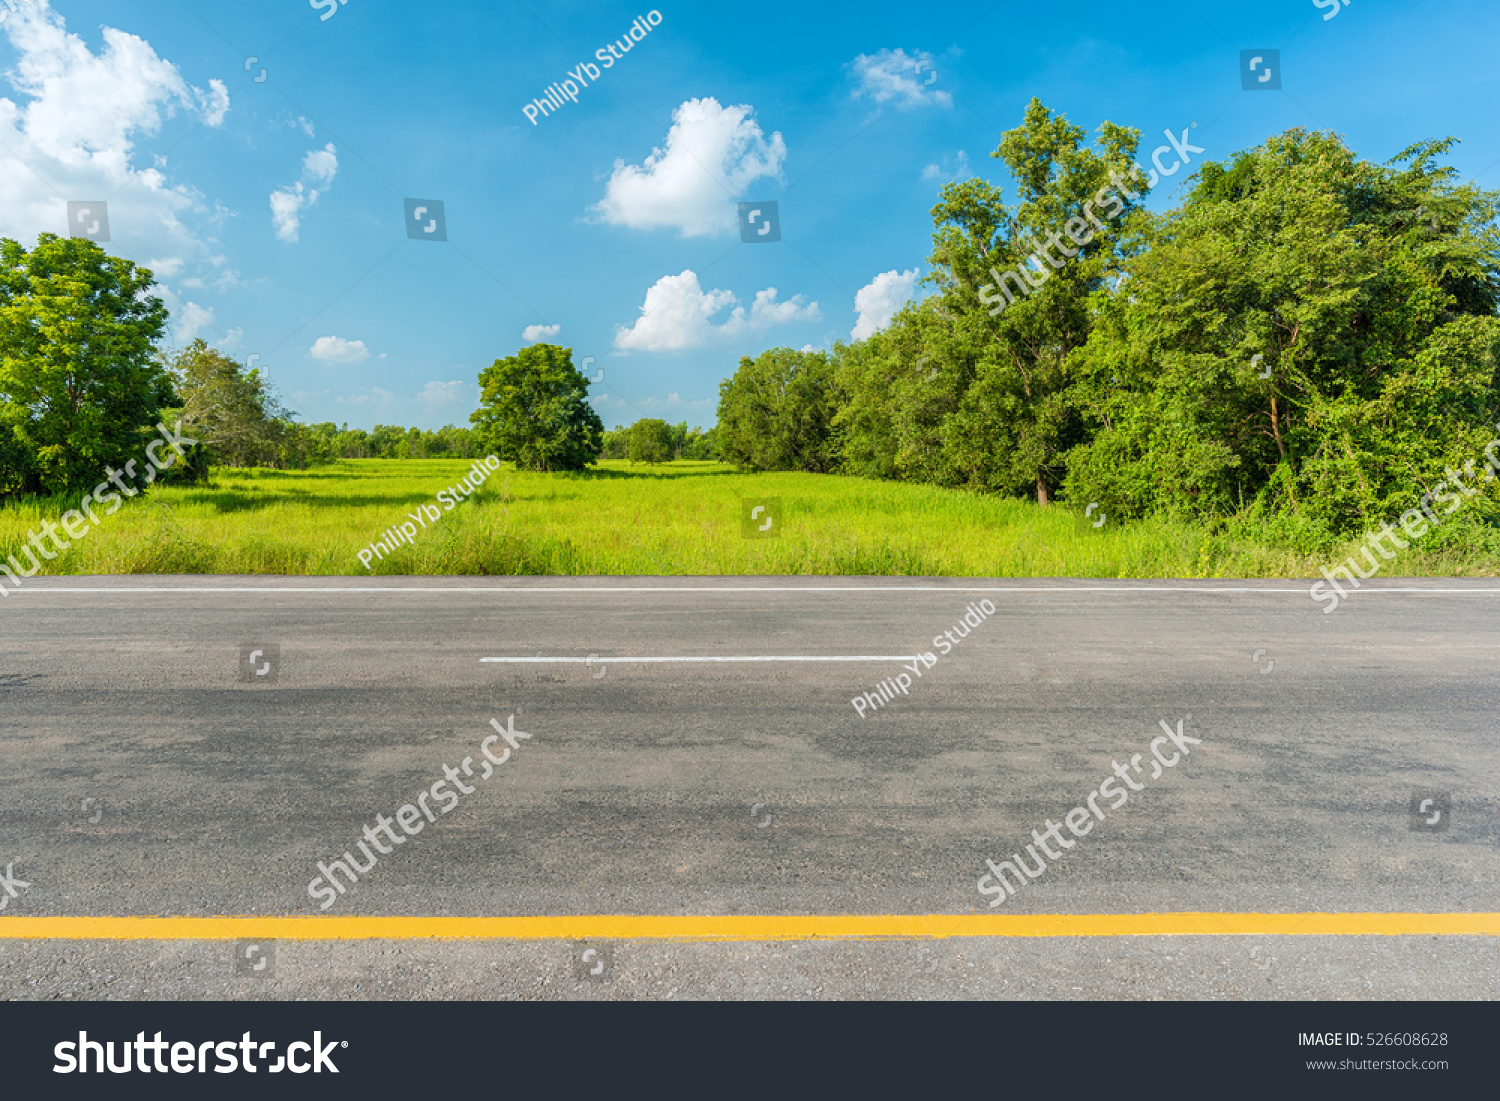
681	518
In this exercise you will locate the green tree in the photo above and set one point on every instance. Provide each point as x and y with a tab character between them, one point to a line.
700	445
616	443
898	390
1310	334
80	384
776	412
1017	288
534	411
229	409
651	441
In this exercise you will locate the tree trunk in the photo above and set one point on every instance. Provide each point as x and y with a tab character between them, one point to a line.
1276	426
1041	490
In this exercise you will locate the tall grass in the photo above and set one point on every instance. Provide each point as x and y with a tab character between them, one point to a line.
681	518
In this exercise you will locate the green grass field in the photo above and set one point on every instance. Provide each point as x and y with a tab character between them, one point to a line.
682	518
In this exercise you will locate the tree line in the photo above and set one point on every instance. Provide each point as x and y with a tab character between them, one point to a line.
1308	341
84	380
651	440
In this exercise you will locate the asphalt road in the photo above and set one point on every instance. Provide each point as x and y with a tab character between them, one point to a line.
148	771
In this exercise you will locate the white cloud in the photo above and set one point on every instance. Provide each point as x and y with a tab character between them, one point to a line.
321	165
300	122
168	267
678	314
87	107
960	168
190	319
72	130
215	105
712	155
335	349
232	339
540	332
319	168
878	302
893	75
435	394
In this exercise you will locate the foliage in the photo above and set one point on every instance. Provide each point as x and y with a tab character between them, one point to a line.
228	409
1003	418
651	441
1367	293
685	443
776	412
534	411
328	442
80	386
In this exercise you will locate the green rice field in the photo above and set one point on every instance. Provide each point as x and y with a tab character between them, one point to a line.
682	518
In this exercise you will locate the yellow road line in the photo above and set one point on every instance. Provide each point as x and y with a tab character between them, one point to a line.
746	927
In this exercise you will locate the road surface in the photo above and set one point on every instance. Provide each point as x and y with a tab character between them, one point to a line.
149	770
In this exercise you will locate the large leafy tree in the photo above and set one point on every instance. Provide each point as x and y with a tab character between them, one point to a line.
80	384
534	411
651	441
898	390
229	408
1017	285
776	412
1310	334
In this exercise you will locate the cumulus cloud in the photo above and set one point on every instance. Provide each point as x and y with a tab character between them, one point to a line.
436	394
960	168
712	155
71	133
540	332
678	314
878	301
214	105
335	349
319	168
190	320
893	75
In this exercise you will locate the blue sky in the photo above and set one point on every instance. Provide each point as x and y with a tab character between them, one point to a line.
273	211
